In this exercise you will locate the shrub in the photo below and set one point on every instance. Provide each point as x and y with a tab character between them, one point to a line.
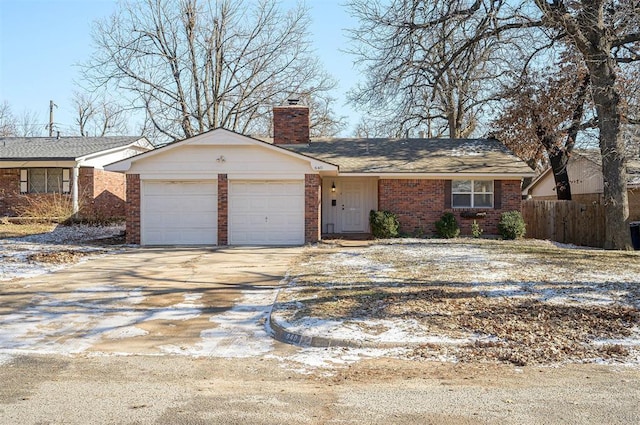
511	225
384	224
476	230
55	206
447	227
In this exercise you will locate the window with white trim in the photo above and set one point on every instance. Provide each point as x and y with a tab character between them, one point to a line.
472	193
45	180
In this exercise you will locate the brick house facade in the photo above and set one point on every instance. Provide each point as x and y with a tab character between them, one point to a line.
101	193
420	203
49	176
287	190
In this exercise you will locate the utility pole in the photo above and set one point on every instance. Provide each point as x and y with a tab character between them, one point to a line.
51	105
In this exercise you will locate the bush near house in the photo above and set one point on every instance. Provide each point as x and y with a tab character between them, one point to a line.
384	224
53	207
476	230
447	227
512	225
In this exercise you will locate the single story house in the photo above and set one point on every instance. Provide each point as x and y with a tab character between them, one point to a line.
225	188
587	184
37	167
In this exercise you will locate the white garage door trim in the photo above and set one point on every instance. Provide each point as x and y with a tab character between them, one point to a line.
181	212
269	212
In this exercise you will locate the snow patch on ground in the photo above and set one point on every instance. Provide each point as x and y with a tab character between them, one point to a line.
5	358
75	233
239	332
14	253
307	360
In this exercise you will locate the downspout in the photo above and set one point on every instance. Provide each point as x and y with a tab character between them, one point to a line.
74	189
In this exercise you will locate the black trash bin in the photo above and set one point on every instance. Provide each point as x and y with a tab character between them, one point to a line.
635	234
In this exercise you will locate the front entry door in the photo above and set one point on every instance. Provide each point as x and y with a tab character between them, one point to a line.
353	219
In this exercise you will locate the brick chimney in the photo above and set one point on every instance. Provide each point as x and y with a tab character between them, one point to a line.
291	123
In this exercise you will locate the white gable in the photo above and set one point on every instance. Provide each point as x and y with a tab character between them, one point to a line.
221	152
585	177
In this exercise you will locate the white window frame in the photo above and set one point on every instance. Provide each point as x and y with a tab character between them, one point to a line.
472	193
65	183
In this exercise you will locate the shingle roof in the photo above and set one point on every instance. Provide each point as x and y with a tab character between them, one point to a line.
415	155
65	148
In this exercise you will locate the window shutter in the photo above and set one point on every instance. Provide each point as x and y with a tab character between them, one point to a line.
65	180
24	186
497	194
447	194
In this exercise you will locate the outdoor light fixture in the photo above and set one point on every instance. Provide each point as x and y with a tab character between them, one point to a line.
333	186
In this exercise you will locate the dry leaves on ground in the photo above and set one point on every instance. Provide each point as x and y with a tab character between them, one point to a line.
521	302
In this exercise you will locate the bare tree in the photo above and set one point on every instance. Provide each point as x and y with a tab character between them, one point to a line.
8	123
28	124
605	33
406	87
98	116
195	65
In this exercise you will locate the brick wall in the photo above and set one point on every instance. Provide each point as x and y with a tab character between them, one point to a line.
223	209
419	203
290	124
312	197
634	204
107	196
132	208
9	190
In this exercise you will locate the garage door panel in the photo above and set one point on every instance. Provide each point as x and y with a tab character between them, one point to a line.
266	213
179	213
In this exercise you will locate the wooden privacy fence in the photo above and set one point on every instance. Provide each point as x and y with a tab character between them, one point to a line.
565	222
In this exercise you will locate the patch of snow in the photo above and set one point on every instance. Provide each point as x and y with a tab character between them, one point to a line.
175	312
306	360
75	233
125	332
239	332
5	358
632	340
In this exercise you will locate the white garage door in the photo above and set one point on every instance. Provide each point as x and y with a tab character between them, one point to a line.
179	213
266	213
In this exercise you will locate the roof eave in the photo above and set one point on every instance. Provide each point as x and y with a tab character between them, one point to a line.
449	175
116	149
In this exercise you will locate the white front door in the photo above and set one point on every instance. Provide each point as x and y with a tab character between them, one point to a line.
266	212
353	219
179	213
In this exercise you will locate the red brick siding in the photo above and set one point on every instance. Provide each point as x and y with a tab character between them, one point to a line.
420	203
634	204
223	209
9	190
102	193
312	199
290	124
132	208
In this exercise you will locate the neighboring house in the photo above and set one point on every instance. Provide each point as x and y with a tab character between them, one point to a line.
37	167
585	176
224	188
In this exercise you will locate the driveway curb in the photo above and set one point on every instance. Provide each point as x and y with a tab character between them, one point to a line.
280	333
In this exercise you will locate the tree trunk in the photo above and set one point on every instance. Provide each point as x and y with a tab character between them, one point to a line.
558	158
614	170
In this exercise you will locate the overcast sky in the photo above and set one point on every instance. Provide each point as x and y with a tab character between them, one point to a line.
42	41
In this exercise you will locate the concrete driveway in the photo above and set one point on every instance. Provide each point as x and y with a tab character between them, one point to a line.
148	301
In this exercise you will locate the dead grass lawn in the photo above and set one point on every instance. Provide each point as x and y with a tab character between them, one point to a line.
12	230
522	302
